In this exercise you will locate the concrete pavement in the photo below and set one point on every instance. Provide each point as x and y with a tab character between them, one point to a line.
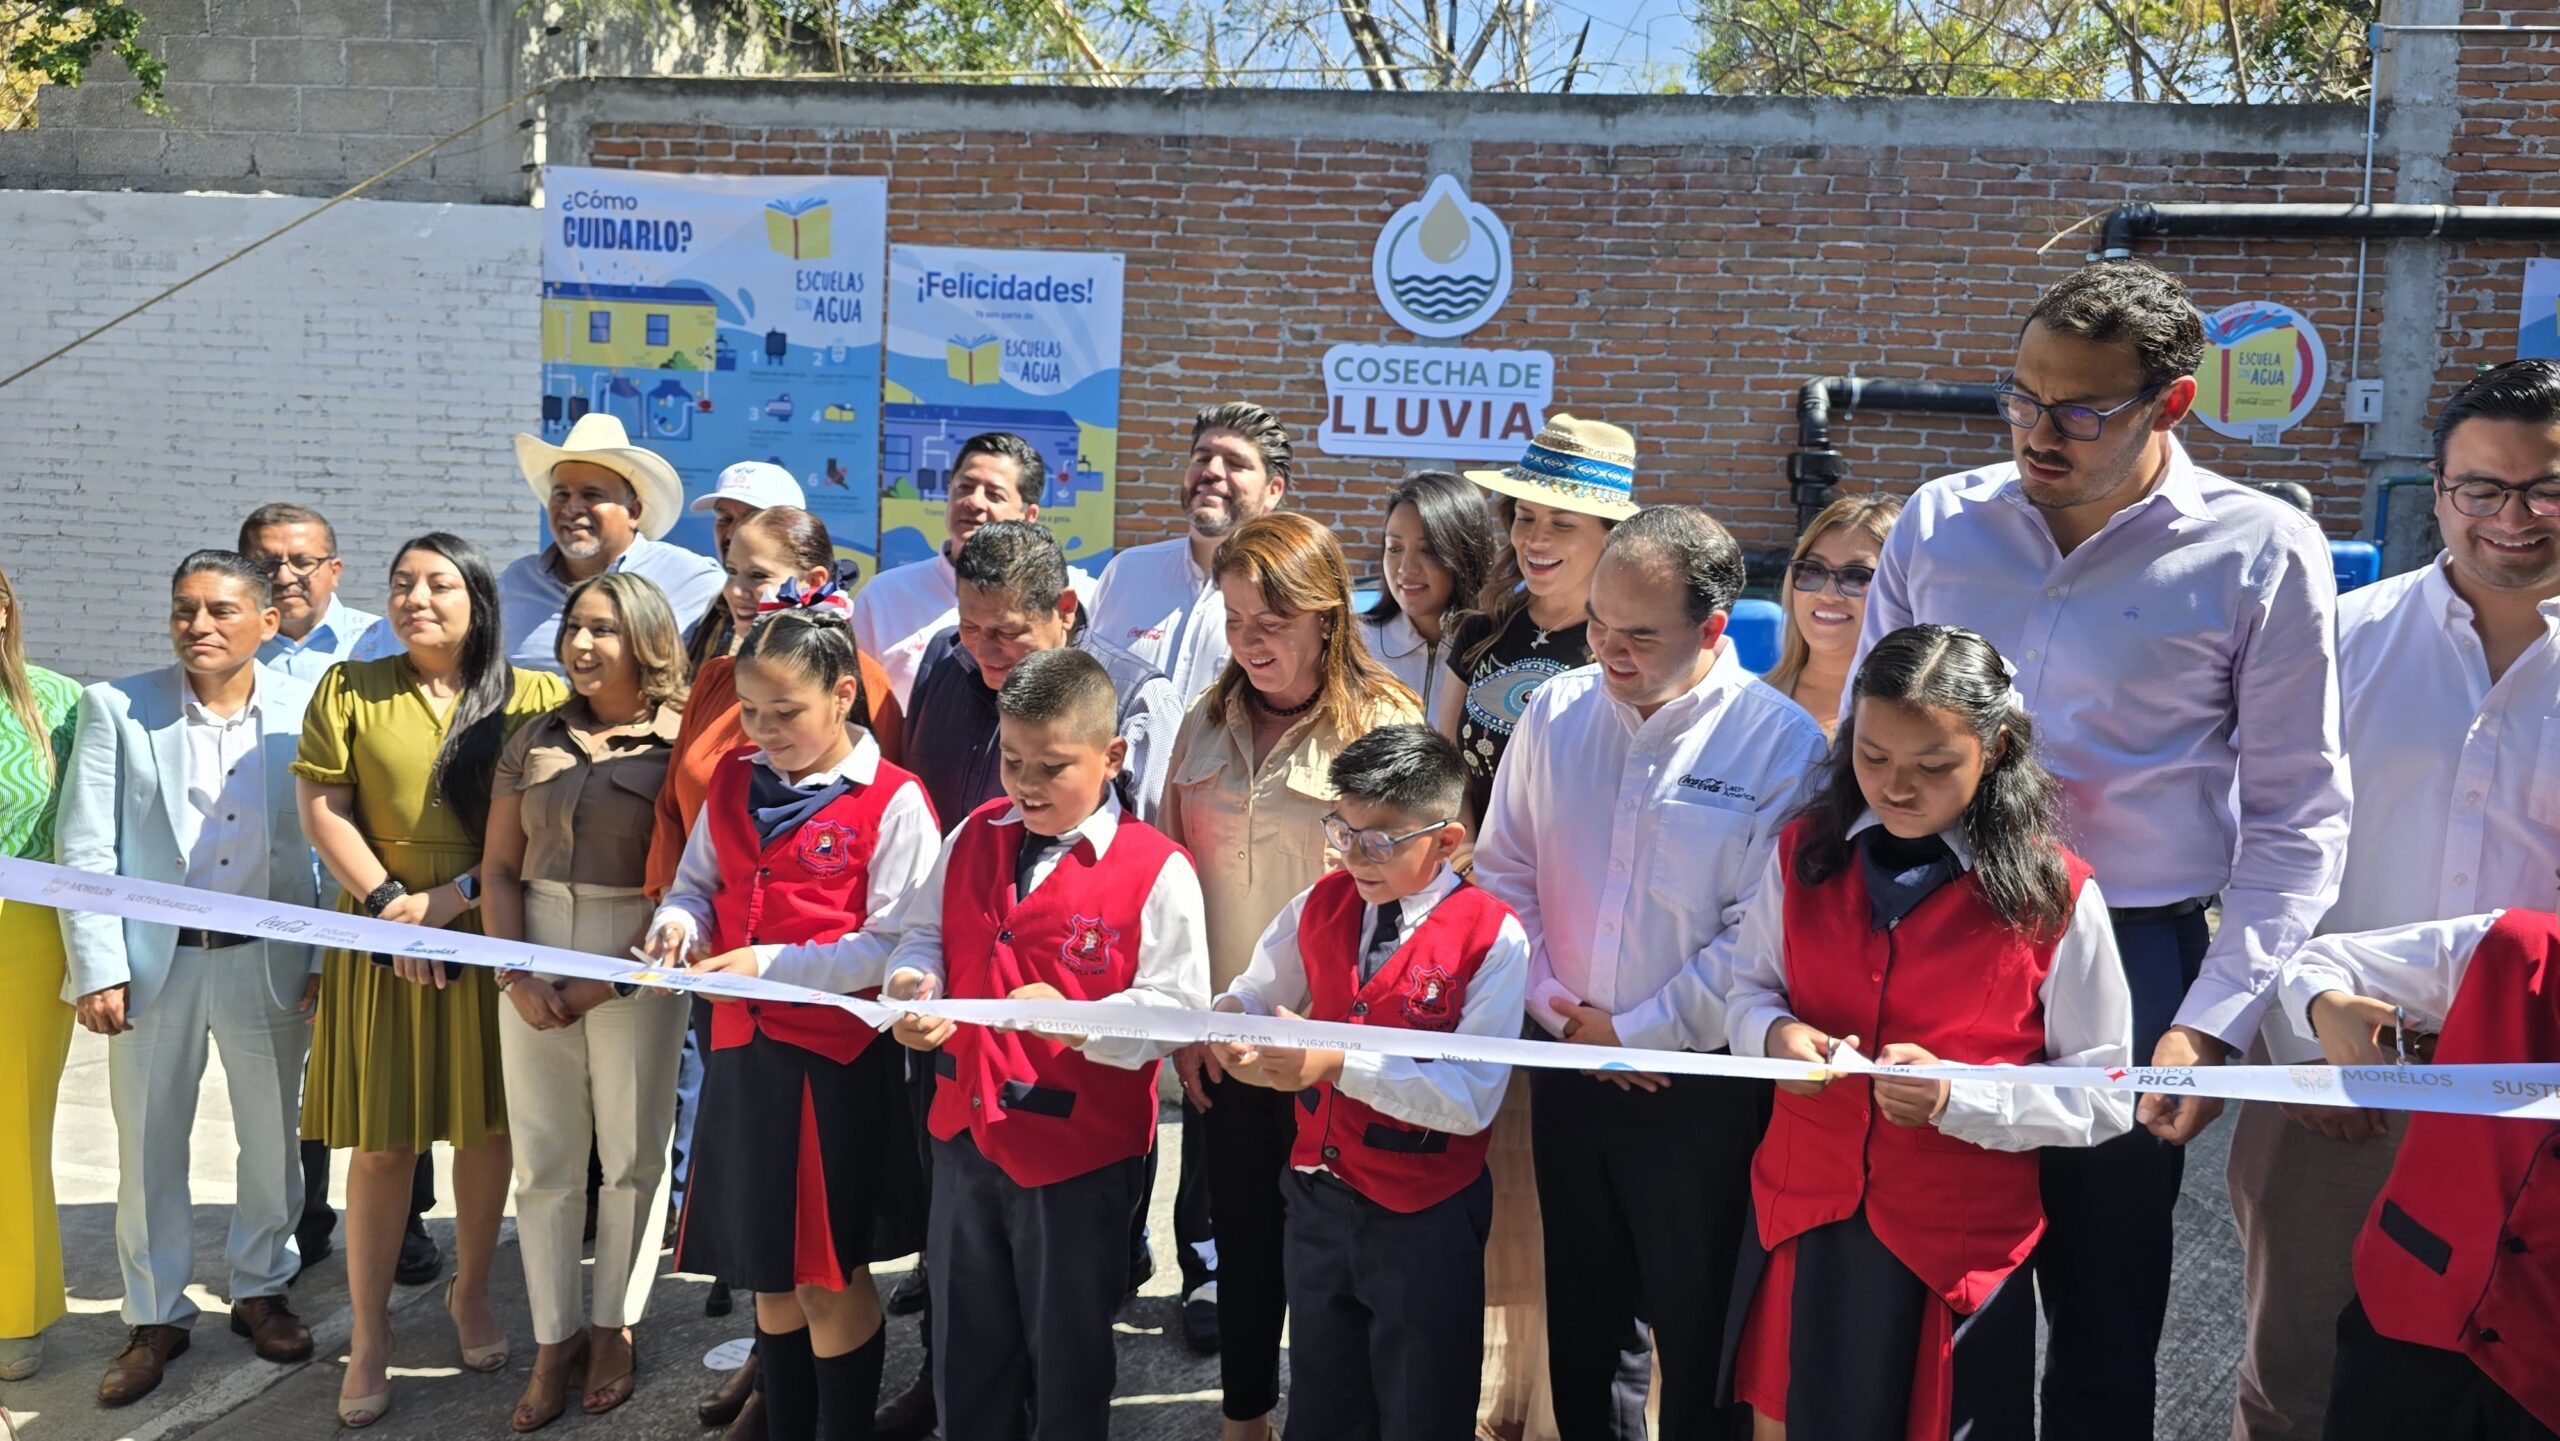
220	1390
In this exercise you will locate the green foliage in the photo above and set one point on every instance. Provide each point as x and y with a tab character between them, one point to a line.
54	42
2182	50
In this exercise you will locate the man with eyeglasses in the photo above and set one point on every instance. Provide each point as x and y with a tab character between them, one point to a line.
2449	677
298	549
2172	634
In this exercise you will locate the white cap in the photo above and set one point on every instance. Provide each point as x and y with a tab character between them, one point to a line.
759	483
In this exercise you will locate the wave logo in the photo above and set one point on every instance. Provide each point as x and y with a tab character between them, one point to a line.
1443	263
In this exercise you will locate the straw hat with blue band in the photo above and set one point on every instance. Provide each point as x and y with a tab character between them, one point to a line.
1579	465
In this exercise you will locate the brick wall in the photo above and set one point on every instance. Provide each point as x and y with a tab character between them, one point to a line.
1688	284
371	364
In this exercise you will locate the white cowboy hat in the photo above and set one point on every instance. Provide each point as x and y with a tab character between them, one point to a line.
1580	465
598	439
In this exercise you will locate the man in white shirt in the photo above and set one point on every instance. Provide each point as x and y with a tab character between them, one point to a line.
610	504
298	549
2172	633
1158	599
2449	678
996	476
181	775
1631	823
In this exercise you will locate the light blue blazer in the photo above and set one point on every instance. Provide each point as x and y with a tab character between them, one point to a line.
124	796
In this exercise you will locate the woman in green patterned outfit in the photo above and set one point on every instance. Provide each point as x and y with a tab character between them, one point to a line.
36	710
394	772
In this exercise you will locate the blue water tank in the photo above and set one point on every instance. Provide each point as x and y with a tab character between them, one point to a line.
2357	563
1756	628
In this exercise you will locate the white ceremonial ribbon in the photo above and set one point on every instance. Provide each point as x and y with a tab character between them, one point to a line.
2528	1091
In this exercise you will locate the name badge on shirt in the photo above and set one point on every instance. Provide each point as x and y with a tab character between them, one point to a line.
1715	791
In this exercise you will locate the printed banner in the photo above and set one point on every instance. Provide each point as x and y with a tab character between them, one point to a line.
2530	1091
1026	341
2264	367
2538	323
723	318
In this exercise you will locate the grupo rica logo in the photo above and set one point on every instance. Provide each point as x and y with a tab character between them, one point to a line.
1443	263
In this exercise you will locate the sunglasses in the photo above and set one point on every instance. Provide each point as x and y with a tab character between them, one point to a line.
1377	847
1810	576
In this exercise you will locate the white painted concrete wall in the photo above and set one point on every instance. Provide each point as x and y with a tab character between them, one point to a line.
371	364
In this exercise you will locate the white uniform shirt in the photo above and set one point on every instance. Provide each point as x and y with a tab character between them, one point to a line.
1156	601
900	858
899	612
1459	1097
1419	663
2418	968
2088	1021
225	817
1173	949
2181	667
1630	846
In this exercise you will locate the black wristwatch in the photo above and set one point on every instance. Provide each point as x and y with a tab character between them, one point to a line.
383	895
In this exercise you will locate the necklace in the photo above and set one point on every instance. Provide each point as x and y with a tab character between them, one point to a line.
1284	712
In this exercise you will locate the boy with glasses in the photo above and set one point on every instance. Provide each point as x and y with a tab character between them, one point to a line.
2172	633
1389	1200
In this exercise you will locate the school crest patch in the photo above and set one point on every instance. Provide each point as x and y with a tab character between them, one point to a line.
826	847
1426	999
1088	948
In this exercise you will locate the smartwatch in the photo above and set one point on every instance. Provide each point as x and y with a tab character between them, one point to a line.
467	886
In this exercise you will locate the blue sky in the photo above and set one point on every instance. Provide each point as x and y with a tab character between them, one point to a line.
1629	39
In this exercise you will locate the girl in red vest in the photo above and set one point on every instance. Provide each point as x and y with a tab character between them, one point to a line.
1920	901
2454	1333
805	1162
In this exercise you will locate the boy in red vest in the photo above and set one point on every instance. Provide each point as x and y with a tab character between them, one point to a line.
1040	1142
1388	1197
2454	1334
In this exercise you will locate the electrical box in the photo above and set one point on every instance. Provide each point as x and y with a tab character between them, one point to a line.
2364	402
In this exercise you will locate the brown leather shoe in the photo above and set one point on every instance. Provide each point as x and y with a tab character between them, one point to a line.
147	1352
723	1403
750	1423
272	1328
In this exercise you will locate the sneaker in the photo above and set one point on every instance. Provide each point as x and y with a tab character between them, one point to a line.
1200	1319
420	1261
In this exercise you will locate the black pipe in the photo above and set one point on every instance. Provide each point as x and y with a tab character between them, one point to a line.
1815	468
2127	223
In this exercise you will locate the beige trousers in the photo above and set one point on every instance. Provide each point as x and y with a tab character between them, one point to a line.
608	1081
2298	1199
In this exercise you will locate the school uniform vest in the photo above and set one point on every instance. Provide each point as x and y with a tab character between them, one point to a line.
1422	987
1035	1106
1951	977
2462	1249
812	883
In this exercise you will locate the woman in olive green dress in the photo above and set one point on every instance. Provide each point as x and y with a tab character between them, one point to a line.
394	772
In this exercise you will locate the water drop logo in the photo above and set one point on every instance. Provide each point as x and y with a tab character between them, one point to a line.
1443	263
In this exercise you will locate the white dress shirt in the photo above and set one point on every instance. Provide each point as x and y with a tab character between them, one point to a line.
225	817
531	595
1630	846
1173	950
2417	967
342	633
1155	600
2181	668
900	858
1459	1097
1420	664
2088	1021
899	611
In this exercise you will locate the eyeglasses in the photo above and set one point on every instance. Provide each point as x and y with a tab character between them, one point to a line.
275	565
2481	499
1811	576
2076	422
1377	847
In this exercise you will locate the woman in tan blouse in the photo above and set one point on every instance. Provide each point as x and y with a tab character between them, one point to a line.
1248	797
568	848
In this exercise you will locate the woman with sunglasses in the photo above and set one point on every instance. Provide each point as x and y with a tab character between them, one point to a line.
1827	581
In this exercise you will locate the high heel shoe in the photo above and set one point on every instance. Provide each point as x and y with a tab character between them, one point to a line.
546	1391
359	1412
483	1359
